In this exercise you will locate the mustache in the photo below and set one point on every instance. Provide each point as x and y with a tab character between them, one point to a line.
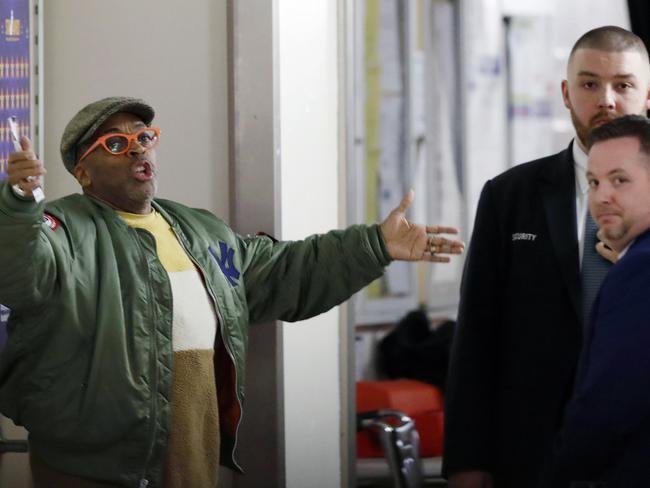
609	116
600	210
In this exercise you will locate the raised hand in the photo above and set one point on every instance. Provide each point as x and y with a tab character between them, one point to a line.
22	165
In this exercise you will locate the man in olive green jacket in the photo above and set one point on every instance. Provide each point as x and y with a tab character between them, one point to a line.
129	325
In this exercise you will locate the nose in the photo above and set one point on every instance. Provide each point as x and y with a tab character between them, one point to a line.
607	98
601	195
136	148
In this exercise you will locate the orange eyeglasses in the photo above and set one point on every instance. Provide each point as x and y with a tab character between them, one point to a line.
117	143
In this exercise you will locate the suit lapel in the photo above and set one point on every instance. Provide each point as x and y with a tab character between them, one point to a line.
558	197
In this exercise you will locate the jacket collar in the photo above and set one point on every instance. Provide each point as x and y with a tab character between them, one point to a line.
640	241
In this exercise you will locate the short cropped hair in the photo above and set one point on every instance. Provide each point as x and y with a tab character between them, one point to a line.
636	126
610	38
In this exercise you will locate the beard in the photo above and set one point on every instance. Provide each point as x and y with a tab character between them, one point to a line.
616	233
583	130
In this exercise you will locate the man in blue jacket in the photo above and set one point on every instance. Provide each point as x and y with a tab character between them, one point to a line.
606	431
129	327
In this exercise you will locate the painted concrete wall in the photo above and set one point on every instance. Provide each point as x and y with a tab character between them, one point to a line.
308	42
175	58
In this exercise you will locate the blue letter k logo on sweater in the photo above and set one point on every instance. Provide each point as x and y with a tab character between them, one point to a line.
226	262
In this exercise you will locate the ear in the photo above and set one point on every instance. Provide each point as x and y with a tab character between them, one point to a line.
565	94
647	100
82	175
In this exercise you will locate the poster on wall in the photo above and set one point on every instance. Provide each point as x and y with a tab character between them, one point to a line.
382	175
15	73
532	88
444	174
485	102
15	90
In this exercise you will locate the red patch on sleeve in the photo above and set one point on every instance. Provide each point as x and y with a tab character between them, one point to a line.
264	234
51	221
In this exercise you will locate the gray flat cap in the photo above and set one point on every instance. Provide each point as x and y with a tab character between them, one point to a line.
88	119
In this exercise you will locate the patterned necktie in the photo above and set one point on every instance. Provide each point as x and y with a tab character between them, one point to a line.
594	268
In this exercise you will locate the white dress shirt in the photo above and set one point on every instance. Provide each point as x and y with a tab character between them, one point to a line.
582	190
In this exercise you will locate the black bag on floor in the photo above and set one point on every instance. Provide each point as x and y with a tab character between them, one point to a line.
415	351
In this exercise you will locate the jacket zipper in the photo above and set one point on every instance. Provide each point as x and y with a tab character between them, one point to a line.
223	337
144	482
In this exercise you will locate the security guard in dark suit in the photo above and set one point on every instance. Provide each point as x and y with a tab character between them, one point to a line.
521	312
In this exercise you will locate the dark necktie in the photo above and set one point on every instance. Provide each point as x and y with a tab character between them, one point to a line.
594	268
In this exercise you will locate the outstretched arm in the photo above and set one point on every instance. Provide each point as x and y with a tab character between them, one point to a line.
296	280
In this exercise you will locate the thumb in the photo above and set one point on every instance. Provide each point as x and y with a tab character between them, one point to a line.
406	201
25	143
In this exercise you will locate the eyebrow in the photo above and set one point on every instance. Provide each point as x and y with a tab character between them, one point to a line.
595	75
610	173
136	125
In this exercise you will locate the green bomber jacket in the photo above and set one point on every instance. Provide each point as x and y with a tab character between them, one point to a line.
88	364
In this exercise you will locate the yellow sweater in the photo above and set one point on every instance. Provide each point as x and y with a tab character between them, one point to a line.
193	448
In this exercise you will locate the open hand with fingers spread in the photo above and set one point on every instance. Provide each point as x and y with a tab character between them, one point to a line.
407	241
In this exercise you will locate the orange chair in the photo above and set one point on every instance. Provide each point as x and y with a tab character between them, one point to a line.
420	401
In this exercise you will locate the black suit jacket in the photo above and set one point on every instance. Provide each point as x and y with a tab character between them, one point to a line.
606	432
519	325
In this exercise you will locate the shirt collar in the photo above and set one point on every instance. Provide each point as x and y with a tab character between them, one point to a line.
624	251
580	167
